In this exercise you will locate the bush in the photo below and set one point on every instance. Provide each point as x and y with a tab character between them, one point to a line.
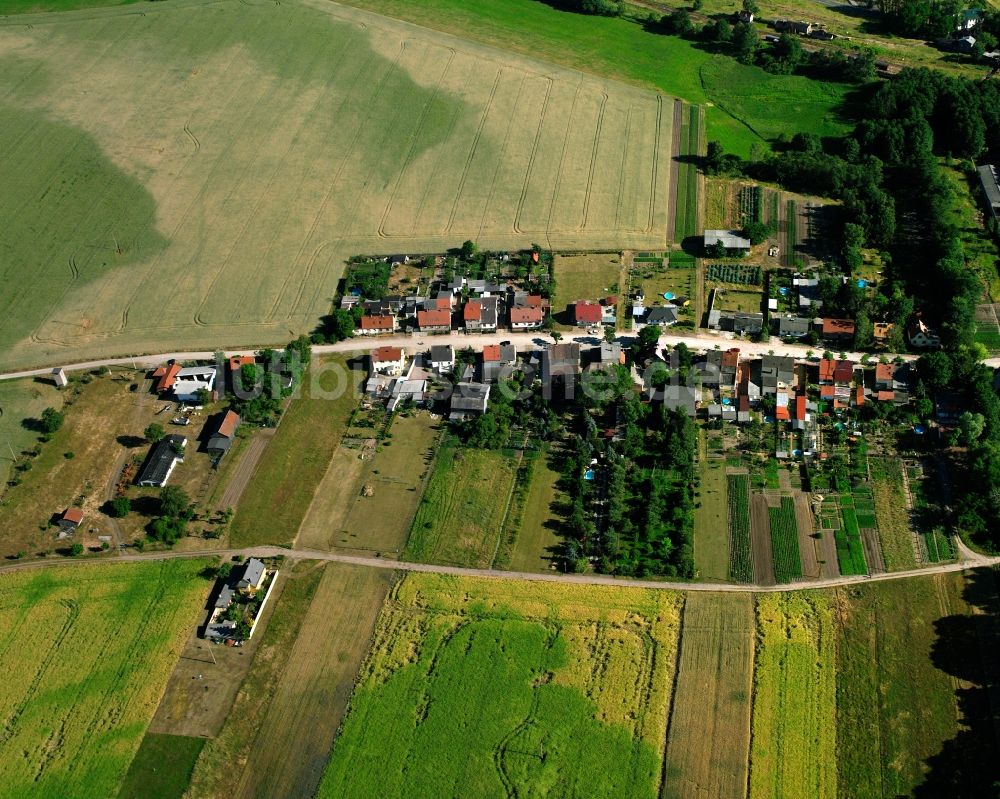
51	420
76	549
120	507
154	432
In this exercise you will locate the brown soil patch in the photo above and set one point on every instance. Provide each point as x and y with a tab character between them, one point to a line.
760	540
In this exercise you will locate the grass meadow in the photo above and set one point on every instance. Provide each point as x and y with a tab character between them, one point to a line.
212	199
584	277
162	767
461	514
21	400
484	687
711	530
284	483
87	651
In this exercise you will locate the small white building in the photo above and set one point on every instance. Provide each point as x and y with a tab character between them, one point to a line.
730	239
190	380
59	377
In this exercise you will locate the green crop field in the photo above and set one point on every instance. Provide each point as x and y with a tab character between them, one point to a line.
711	530
785	541
686	210
740	561
793	746
211	197
850	551
87	651
461	514
499	688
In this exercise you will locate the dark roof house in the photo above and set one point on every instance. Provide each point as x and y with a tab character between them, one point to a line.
163	457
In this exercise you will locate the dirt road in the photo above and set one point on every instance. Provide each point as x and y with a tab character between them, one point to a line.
974	562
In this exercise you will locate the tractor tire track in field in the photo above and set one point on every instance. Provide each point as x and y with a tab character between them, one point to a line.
362	126
192	137
72	614
655	168
414	137
675	170
622	172
593	162
562	160
501	160
531	157
474	148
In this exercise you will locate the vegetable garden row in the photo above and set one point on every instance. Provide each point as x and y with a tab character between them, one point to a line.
785	541
740	560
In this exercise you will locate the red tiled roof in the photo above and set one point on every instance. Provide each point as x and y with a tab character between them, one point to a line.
826	391
800	407
533	301
781	413
611	300
167	376
387	354
525	315
884	372
229	424
859	395
237	362
838	327
886	396
743	403
74	515
731	357
844	373
377	323
438	318
472	312
587	312
826	370
491	352
443	303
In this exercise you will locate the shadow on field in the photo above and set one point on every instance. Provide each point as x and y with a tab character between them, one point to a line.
967	648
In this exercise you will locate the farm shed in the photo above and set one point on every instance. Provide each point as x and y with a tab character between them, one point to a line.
163	458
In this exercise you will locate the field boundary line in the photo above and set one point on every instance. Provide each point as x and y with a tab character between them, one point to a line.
531	157
593	161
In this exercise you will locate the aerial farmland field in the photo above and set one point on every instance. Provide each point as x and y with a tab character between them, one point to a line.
212	196
486	687
87	652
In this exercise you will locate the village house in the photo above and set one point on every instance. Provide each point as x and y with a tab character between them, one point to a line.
165	377
163	458
921	336
497	358
388	361
71	519
526	318
777	374
188	382
676	397
838	331
436	321
472	315
733	241
721	368
467	400
251	577
377	325
587	313
881	331
442	358
739	322
403	389
225	434
607	355
662	315
789	326
490	311
808	291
